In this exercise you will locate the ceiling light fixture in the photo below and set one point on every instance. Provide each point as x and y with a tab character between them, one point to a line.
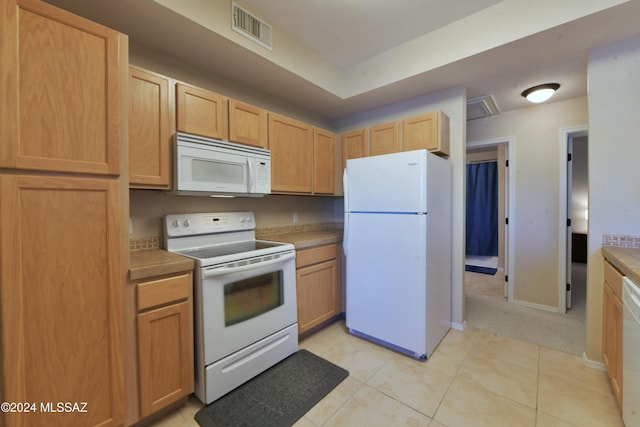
540	93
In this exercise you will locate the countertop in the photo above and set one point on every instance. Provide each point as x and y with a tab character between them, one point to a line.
157	262
624	259
307	239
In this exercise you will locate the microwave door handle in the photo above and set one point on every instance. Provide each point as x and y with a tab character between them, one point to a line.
250	169
228	270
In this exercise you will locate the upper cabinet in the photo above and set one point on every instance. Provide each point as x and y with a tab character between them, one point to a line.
354	144
201	112
247	124
323	157
429	130
53	66
291	145
302	157
384	139
150	129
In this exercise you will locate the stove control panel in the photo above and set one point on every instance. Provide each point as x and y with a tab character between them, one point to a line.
207	223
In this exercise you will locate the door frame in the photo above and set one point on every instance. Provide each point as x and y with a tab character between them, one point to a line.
509	205
566	134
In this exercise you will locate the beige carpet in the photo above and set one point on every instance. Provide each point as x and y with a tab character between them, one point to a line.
562	332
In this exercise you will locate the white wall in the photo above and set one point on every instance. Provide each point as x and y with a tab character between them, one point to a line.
148	207
614	156
453	103
534	223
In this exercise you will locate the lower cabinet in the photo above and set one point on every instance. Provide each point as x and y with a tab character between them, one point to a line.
61	300
165	341
319	288
612	327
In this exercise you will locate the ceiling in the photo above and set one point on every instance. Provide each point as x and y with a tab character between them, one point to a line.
348	32
360	46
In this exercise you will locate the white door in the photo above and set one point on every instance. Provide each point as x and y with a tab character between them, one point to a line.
388	183
386	278
569	214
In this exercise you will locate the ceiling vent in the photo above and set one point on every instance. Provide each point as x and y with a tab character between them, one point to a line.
250	26
482	106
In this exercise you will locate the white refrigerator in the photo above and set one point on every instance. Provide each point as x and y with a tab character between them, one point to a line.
397	244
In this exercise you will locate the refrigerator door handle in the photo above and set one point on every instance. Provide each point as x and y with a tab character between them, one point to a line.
345	235
345	231
345	188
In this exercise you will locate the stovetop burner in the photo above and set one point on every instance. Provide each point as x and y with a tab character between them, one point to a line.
229	249
216	238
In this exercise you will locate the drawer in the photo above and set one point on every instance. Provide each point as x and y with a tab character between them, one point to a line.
614	278
315	255
163	291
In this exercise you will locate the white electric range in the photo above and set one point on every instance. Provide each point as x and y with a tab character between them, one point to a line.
245	311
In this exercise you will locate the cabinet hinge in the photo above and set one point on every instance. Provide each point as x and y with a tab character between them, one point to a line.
568	222
568	157
506	221
568	287
506	277
506	163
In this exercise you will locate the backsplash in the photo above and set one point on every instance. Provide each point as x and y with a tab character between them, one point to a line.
144	243
261	233
620	241
153	242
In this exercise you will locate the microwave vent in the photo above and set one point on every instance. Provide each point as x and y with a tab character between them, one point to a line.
250	26
482	106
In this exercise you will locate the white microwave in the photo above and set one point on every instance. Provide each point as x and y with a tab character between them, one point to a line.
206	166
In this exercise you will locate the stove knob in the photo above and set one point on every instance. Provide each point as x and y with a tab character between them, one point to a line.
248	219
176	223
186	223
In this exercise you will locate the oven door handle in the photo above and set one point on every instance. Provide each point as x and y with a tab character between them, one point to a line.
219	271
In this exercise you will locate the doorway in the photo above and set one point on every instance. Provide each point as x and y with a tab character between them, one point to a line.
574	215
501	151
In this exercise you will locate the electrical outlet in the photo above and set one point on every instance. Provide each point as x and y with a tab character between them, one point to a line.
295	217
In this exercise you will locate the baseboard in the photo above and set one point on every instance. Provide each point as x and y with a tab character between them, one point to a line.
537	306
592	363
459	326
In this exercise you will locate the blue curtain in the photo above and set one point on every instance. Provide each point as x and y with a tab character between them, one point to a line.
482	209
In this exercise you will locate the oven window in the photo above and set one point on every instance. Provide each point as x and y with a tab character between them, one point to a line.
251	297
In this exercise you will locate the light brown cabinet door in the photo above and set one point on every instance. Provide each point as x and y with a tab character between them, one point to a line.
149	130
165	356
612	339
319	288
247	124
54	67
354	145
201	112
318	294
323	167
291	145
383	139
61	308
426	131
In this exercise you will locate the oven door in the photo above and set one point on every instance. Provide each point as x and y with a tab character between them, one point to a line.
243	302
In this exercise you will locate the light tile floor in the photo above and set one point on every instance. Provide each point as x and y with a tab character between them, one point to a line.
474	378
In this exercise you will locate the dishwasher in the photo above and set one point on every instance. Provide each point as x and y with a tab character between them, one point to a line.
631	353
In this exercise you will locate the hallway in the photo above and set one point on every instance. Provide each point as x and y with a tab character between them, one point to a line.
487	309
